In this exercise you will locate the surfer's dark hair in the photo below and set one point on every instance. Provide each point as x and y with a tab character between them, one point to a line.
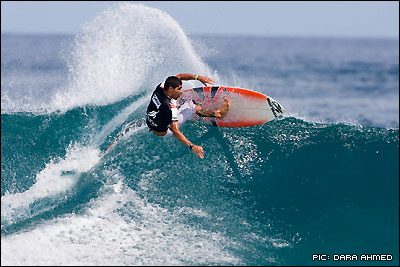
172	81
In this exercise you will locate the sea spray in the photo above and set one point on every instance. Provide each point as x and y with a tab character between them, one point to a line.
125	50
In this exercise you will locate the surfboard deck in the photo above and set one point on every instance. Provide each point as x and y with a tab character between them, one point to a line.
247	108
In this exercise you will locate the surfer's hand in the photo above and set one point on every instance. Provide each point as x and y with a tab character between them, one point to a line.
205	80
198	150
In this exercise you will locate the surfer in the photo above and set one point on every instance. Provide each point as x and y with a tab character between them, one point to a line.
164	118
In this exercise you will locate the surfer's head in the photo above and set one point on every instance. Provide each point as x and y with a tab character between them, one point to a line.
173	87
172	81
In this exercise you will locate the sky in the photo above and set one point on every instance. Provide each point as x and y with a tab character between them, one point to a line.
372	19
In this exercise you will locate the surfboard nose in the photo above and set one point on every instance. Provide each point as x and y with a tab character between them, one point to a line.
276	108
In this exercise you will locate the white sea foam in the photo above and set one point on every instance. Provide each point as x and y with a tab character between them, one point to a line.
119	228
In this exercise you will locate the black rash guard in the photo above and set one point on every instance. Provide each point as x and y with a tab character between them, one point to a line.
161	111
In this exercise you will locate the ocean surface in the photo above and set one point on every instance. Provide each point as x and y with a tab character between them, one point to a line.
323	180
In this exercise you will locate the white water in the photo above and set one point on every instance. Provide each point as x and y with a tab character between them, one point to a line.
102	236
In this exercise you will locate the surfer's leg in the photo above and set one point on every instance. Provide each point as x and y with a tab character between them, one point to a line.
185	112
219	113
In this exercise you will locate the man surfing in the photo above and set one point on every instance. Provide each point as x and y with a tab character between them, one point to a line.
164	118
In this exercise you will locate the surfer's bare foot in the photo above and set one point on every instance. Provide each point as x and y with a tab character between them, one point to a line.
223	110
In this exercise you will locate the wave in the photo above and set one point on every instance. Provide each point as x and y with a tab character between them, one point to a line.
248	190
259	192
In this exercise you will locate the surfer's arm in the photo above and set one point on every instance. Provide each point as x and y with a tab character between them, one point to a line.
198	150
189	76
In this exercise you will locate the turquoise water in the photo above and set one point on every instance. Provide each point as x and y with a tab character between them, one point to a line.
324	179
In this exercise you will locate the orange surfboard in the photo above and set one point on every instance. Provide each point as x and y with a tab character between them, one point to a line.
247	108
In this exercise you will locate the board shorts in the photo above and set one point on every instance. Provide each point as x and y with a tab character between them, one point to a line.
185	112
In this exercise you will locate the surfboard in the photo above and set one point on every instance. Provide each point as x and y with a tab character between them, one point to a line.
247	108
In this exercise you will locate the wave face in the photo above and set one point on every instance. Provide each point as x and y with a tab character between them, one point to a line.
272	194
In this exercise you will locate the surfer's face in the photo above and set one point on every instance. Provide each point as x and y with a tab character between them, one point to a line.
176	92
